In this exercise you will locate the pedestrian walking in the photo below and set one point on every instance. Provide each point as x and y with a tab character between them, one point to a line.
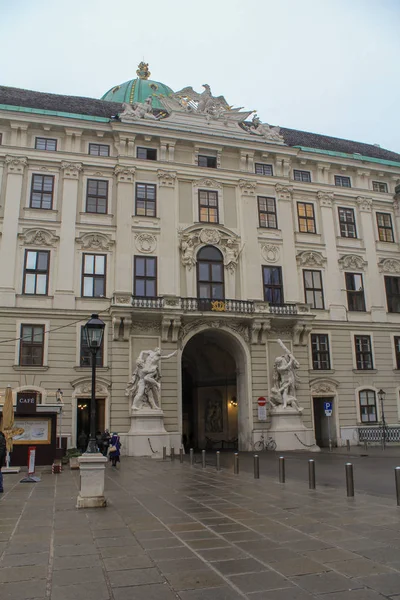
106	438
3	452
115	449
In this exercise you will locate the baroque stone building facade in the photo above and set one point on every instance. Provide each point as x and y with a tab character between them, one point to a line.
192	226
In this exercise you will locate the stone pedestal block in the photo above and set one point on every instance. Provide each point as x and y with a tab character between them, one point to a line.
147	434
289	432
92	470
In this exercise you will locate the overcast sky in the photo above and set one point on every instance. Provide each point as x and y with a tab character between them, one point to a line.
327	66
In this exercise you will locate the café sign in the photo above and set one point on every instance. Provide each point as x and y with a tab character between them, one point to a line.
26	403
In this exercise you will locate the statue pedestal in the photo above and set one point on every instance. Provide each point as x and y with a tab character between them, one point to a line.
92	471
147	434
289	432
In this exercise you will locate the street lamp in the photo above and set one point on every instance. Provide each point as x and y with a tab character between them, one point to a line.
59	398
381	396
94	331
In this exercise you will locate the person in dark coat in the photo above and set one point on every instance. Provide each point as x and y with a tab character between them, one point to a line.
106	437
3	452
115	449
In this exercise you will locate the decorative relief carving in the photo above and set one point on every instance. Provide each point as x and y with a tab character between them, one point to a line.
145	242
84	386
396	204
241	328
124	174
270	253
268	132
352	261
389	265
209	183
247	187
209	236
146	326
166	178
364	204
284	192
122	300
325	198
310	258
95	241
323	386
38	237
16	164
71	169
228	244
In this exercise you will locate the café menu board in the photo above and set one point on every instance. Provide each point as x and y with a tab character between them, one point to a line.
37	431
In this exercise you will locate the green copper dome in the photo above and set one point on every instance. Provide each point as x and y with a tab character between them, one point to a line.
139	89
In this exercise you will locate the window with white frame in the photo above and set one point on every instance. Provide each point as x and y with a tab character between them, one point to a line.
368	409
363	349
320	351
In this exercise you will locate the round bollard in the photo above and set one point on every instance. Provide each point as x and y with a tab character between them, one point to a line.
191	453
172	453
164	453
181	454
397	479
256	466
218	460
311	474
236	464
282	475
349	480
203	459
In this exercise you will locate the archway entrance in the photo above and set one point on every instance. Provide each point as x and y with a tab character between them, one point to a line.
210	398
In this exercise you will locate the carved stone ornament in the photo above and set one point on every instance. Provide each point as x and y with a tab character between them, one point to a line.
325	198
95	241
124	174
71	169
247	187
269	133
284	192
364	204
227	243
38	237
145	242
16	164
209	183
209	236
146	326
352	261
324	386
270	253
310	258
84	387
137	111
396	204
122	300
240	328
389	265
166	178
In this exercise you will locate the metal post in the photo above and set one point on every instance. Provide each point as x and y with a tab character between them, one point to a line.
397	478
281	469
164	453
349	480
311	474
236	463
92	445
348	445
172	453
329	434
218	458
181	454
191	456
203	459
256	467
365	445
383	426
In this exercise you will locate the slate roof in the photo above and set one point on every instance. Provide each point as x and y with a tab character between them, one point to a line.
102	108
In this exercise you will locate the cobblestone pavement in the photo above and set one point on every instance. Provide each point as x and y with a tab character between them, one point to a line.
174	531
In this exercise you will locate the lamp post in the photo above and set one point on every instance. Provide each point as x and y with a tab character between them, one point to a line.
59	398
381	396
94	331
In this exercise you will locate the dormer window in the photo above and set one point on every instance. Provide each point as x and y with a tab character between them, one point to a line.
263	169
146	153
42	143
207	161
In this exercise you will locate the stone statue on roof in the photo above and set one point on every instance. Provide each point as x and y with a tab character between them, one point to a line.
143	70
138	110
266	131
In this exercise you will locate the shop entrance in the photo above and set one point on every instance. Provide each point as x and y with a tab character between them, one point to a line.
210	402
323	424
83	420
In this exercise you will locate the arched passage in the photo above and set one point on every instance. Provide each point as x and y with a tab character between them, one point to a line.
216	411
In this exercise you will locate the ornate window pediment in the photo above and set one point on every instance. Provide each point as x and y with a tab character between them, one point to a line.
38	237
205	182
389	265
352	261
310	258
83	386
95	241
194	237
324	386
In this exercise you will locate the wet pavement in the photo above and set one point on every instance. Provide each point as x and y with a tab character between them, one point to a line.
174	531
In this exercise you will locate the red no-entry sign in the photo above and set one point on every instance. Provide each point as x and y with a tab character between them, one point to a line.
262	401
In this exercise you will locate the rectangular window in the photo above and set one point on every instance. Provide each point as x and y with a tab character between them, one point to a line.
208	206
397	350
313	291
379	186
306	216
31	347
273	287
96	196
368	410
385	229
320	351
363	352
267	212
304	176
42	143
86	355
342	181
146	153
145	204
94	275
42	190
36	272
145	276
355	292
347	223
263	169
207	161
1	139
392	285
99	150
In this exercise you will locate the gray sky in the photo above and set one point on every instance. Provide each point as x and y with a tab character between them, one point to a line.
327	66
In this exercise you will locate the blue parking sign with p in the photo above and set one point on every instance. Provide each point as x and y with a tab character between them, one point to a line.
328	409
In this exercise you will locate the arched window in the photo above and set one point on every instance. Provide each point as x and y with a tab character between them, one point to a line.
210	274
368	411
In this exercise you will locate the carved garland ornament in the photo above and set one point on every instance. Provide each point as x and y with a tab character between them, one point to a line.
389	265
323	387
145	242
325	198
270	253
16	164
310	258
210	183
166	178
71	169
365	204
95	241
284	192
247	187
38	237
124	174
352	261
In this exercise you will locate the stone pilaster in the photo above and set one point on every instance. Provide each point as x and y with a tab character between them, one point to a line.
167	212
285	223
125	197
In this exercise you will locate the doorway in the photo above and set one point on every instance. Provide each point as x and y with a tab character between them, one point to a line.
210	403
324	427
83	420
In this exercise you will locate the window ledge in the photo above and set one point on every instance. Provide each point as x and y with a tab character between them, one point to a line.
322	371
47	210
365	371
32	369
97	214
89	369
34	296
